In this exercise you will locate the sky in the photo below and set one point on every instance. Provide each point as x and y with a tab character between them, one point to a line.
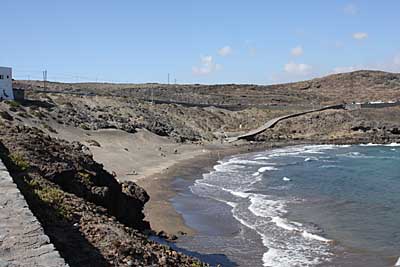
208	42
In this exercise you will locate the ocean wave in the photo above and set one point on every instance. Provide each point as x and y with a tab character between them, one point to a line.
358	155
267	208
287	243
267	168
235	161
237	193
311	159
284	224
315	237
393	144
228	168
389	145
300	150
278	255
262	158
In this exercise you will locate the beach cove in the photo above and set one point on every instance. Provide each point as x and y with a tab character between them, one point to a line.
296	217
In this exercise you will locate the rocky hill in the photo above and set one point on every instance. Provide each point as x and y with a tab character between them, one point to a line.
207	113
359	86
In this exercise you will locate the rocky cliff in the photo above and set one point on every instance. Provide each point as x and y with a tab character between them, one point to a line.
90	218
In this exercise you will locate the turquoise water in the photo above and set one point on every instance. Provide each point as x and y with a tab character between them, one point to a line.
298	206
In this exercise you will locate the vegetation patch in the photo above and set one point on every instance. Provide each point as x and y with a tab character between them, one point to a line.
86	178
52	196
19	161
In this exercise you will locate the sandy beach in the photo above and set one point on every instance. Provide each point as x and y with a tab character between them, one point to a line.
152	162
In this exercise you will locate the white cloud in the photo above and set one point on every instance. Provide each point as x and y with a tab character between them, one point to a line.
297	51
225	51
360	35
350	9
206	67
297	69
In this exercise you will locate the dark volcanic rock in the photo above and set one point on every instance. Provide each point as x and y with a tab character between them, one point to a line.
90	218
71	166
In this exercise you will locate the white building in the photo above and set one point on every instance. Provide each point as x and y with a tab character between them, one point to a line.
6	89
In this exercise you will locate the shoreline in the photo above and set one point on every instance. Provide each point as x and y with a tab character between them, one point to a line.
159	211
338	253
157	160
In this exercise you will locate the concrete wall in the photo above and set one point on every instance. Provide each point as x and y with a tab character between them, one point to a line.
6	91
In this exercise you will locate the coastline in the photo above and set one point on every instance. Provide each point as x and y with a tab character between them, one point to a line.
158	173
159	211
343	253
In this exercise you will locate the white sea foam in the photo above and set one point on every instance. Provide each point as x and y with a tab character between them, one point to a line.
232	204
308	235
369	144
279	256
266	208
262	158
372	144
311	159
397	263
224	167
237	193
393	144
246	162
284	224
289	243
267	168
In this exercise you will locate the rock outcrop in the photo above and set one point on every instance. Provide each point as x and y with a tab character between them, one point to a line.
90	218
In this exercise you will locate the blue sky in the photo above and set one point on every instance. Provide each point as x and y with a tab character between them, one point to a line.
204	41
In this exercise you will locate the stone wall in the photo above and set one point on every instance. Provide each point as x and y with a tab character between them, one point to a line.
22	238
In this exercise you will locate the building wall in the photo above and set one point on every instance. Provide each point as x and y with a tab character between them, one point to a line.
6	90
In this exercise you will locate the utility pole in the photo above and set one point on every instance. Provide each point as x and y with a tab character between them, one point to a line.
44	78
168	78
152	96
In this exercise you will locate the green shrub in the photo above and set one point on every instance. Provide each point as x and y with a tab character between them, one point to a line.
19	161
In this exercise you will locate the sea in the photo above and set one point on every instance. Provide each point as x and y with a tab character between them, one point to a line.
308	205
